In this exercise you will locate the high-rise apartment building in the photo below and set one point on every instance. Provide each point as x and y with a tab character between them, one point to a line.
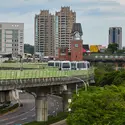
115	36
12	38
66	18
45	33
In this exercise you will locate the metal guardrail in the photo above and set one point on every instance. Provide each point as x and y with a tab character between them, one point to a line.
105	57
39	82
65	76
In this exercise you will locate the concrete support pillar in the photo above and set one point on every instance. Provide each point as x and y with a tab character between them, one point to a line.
8	96
67	96
123	65
5	96
41	107
2	97
116	66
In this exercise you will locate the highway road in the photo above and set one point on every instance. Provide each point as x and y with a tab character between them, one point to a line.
26	113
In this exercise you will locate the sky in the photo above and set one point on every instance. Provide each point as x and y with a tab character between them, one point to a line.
96	16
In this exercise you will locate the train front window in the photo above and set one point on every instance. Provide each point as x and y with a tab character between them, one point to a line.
50	64
66	65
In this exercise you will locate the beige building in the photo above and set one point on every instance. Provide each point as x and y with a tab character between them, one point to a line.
12	38
66	18
44	33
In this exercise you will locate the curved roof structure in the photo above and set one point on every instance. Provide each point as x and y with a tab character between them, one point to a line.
77	28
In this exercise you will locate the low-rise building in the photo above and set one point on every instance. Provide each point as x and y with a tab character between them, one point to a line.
12	38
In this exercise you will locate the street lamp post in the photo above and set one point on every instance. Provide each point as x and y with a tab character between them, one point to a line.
69	109
83	82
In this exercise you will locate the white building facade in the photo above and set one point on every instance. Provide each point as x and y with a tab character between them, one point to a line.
12	38
115	36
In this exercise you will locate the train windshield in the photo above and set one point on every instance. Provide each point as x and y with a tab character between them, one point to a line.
51	64
81	65
66	65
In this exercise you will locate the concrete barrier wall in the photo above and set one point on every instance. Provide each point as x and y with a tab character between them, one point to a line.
63	122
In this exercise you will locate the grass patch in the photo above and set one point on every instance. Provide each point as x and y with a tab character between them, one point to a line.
51	119
8	109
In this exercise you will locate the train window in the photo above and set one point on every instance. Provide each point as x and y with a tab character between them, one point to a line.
81	65
50	63
66	65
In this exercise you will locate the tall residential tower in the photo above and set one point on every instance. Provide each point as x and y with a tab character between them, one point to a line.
66	18
115	36
45	33
12	38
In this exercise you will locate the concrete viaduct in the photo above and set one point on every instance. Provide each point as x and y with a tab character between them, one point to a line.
63	86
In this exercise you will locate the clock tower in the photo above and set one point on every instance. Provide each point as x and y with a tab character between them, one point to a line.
76	43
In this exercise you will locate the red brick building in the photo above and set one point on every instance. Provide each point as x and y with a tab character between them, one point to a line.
63	54
76	50
76	43
76	53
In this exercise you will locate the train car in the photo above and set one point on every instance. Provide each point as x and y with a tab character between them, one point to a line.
65	65
83	65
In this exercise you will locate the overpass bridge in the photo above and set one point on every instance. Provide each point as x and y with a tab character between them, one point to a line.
61	82
117	60
105	58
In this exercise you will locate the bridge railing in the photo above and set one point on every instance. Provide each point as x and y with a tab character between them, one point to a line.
45	73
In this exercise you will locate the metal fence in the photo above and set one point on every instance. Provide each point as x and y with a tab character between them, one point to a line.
45	73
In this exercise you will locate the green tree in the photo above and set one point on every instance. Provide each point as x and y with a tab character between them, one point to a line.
103	78
101	72
113	47
98	106
28	48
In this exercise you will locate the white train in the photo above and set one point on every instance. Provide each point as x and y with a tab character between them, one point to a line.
67	65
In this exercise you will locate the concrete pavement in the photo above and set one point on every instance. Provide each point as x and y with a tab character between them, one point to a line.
26	113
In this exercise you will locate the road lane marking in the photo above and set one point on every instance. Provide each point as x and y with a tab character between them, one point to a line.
3	120
33	115
18	115
32	109
10	123
24	118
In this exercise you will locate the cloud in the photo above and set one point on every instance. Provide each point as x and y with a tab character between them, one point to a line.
19	3
96	16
